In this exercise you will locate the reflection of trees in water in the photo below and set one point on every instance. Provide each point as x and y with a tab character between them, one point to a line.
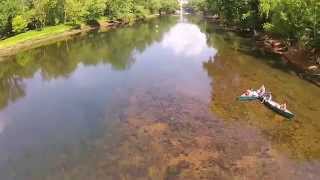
116	48
11	85
10	90
219	38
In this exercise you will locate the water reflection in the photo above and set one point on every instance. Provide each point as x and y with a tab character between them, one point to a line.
73	92
186	40
116	48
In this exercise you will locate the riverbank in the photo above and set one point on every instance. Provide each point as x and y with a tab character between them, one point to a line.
305	62
33	39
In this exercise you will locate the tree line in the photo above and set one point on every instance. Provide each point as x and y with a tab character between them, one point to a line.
17	16
294	20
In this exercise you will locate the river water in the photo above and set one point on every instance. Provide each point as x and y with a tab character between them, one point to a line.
156	100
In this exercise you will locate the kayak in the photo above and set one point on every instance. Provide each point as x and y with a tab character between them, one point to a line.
276	107
252	95
265	97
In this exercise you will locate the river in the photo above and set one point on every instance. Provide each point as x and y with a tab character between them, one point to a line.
155	100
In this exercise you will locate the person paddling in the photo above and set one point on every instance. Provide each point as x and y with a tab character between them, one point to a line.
261	91
283	106
267	97
248	92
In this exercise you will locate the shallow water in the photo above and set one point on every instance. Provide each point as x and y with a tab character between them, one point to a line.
154	101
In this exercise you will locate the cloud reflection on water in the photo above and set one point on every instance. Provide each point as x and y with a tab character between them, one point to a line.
187	40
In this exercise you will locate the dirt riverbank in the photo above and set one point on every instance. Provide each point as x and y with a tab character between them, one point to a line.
306	63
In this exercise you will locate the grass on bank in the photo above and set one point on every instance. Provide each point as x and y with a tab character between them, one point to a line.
47	32
34	34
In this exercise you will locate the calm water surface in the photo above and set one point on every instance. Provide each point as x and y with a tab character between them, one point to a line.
154	101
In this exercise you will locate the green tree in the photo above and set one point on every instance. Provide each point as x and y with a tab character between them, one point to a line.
93	9
168	6
8	10
119	9
293	19
73	11
198	5
140	11
35	14
153	5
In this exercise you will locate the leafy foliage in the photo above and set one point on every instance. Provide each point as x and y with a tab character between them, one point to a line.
73	11
18	15
93	10
293	19
19	24
168	6
8	10
198	5
297	20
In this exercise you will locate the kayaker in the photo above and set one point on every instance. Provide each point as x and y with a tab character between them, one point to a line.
262	90
267	97
248	92
283	106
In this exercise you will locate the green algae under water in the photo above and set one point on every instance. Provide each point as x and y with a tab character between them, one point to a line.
236	69
154	100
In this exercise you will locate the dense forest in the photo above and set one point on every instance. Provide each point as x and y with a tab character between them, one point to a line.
293	20
17	16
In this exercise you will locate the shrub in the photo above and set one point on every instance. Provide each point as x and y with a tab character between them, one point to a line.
73	11
19	24
141	12
128	18
93	10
